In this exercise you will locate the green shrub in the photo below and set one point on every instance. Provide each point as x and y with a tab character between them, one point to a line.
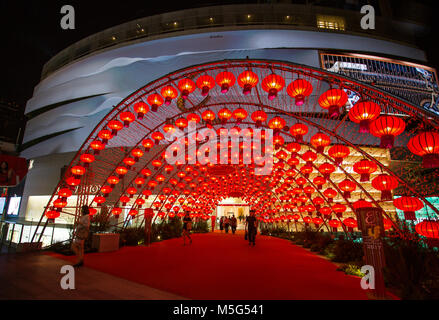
132	236
348	251
201	226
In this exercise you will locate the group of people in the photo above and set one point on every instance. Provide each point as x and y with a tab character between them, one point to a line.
83	227
228	222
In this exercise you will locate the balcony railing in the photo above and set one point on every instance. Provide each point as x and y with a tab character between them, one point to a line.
221	18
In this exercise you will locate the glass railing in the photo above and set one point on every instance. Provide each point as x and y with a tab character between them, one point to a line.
285	16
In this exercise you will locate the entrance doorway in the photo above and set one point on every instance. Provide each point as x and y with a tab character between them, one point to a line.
232	206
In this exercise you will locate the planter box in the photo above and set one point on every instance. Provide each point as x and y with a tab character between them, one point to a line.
105	242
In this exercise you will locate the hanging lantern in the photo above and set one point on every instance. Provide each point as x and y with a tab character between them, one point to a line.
339	209
124	200
129	162
351	223
320	141
193	117
409	205
106	190
330	194
137	154
247	80
326	169
115	126
225	80
99	200
306	170
121	171
116	212
131	191
155	101
141	108
224	115
169	93
326	211
385	183
430	230
64	193
299	89
186	86
157	136
335	224
127	117
139	181
51	215
333	100
272	84
239	114
105	135
97	146
147	144
319	181
77	171
87	158
208	116
113	180
258	117
426	145
365	168
338	152
347	186
156	163
307	220
298	130
317	221
361	203
205	83
387	128
364	112
309	157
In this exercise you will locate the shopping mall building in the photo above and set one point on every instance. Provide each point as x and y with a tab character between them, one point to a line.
99	78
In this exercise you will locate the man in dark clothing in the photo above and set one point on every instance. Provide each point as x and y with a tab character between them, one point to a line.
251	225
233	223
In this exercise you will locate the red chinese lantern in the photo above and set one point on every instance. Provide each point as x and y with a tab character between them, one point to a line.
272	84
306	170
99	200
51	215
72	181
92	211
205	83
116	212
224	115
141	108
186	86
319	181
124	200
307	220
181	123
317	221
132	213
208	116
298	130
137	153
326	211
157	136
121	171
155	101
320	141
247	80
339	209
385	183
169	129
351	223
127	117
239	114
338	152
361	203
347	186
129	162
387	224
330	194
333	100
77	171
156	163
387	128
309	157
193	117
169	93
259	116
105	135
294	148
115	126
64	193
365	168
225	80
335	224
97	146
87	158
113	180
364	112
426	145
131	191
430	230
409	205
140	202
106	190
299	89
326	169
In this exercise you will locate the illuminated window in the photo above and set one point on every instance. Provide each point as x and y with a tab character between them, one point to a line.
330	22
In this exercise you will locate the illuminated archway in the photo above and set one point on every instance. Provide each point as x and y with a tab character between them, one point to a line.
123	158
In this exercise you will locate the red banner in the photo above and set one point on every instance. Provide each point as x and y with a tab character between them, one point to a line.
12	170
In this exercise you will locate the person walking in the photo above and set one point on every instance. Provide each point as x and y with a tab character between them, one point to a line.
187	227
251	225
233	224
82	231
226	224
222	223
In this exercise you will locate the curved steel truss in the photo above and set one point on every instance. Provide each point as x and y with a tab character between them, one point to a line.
200	188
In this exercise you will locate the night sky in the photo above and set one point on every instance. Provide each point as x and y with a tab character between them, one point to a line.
31	34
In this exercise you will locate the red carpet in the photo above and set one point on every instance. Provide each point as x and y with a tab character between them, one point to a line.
220	266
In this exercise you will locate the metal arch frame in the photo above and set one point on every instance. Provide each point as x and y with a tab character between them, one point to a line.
314	73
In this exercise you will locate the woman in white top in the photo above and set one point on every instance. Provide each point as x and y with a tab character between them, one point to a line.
82	230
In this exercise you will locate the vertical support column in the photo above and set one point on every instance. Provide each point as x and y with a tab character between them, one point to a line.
149	213
370	222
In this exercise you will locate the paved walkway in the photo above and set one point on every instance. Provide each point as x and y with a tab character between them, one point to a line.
219	266
37	276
